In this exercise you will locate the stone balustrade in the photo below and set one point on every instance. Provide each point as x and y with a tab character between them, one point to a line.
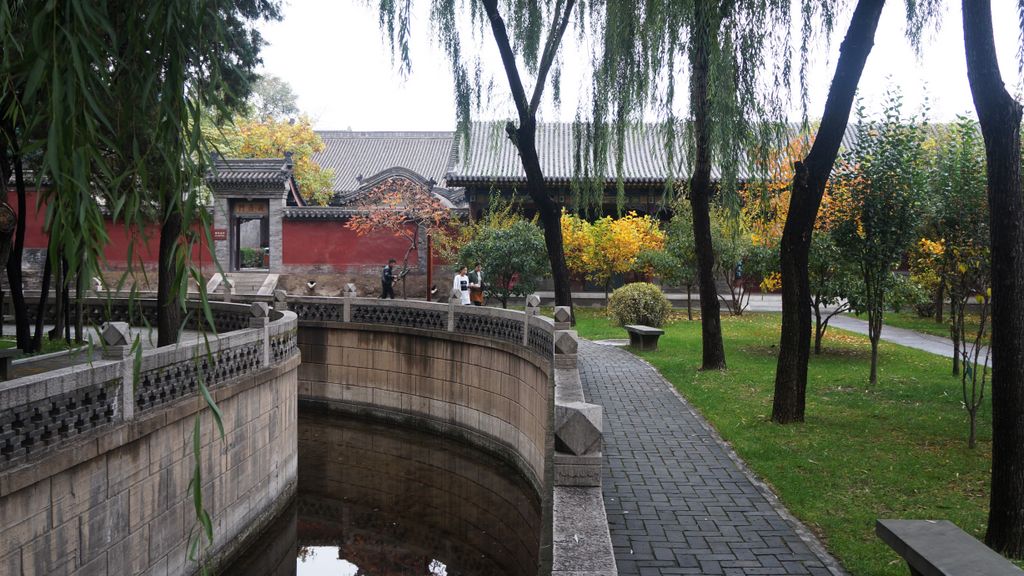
506	381
96	459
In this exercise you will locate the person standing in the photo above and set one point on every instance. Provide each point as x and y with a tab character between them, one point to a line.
476	286
461	283
387	280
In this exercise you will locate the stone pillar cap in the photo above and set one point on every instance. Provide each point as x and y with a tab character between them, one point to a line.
116	333
259	309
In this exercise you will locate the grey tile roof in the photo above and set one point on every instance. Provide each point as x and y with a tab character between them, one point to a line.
493	158
249	171
360	155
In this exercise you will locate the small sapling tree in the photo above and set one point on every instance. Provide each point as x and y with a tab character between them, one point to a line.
882	174
513	259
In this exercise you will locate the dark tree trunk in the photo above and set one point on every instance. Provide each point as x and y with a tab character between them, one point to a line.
819	328
14	277
955	328
79	320
689	302
58	301
67	304
1000	115
713	356
37	337
874	334
809	180
549	210
524	137
167	297
940	300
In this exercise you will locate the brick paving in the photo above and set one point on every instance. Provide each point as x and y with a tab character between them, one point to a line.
677	501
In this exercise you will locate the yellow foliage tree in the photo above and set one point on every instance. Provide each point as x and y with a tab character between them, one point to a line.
269	138
609	246
578	243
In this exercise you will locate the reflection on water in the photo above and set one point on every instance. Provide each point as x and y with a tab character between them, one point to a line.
378	500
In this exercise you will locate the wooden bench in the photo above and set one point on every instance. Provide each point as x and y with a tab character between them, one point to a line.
642	337
940	548
7	355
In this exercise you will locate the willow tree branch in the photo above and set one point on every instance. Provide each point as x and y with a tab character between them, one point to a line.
550	49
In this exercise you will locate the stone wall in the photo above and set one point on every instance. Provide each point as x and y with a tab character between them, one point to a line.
485	391
114	498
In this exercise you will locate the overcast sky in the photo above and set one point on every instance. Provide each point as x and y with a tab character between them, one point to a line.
334	56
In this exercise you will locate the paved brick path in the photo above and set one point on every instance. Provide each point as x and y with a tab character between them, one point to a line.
677	502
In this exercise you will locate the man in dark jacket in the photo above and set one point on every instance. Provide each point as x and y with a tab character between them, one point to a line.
387	280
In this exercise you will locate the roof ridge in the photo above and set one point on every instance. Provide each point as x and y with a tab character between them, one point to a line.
353	134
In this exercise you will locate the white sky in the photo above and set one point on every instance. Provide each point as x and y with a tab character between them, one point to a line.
335	58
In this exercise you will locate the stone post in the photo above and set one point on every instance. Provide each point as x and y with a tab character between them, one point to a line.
532	309
280	300
563	317
566	346
453	297
228	288
347	296
117	346
261	319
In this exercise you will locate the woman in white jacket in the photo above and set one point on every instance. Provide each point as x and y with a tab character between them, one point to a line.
461	283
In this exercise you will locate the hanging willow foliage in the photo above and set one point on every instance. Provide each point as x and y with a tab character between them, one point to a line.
104	100
647	48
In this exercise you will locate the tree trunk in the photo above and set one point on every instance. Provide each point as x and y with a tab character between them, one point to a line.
819	329
873	377
67	304
809	180
37	337
58	304
525	141
713	356
972	435
79	320
14	277
1000	115
689	302
940	299
167	297
956	329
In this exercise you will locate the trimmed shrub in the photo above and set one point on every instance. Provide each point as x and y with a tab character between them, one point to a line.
639	303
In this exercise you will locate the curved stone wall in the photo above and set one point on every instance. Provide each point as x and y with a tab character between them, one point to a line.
494	394
97	465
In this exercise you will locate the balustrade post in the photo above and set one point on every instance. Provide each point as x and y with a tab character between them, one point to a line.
455	296
280	300
117	346
532	309
228	289
261	319
563	317
346	306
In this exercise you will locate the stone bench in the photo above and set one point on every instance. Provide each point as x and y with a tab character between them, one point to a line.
643	338
940	548
7	355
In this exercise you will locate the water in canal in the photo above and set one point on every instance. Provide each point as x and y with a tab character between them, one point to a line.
376	499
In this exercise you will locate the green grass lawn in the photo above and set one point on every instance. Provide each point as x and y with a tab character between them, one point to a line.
897	450
48	345
911	321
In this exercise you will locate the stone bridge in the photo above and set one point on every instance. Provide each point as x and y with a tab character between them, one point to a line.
96	460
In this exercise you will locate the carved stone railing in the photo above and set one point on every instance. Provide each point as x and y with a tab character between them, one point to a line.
43	411
227	317
482	322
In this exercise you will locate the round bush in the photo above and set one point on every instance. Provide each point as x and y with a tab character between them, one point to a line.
639	303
